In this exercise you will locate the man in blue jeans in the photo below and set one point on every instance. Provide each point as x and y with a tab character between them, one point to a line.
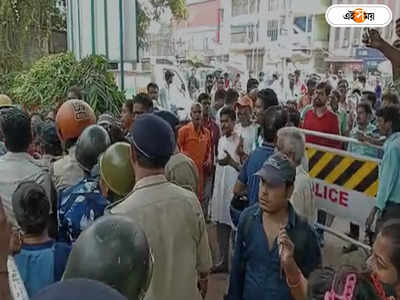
256	267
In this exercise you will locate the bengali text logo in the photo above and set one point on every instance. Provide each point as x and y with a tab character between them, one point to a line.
358	15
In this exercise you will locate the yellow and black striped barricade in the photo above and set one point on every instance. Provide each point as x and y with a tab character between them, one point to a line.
345	184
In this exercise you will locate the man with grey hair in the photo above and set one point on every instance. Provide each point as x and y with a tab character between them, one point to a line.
291	142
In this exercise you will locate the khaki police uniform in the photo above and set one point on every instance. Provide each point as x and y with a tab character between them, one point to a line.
66	172
182	171
16	168
173	221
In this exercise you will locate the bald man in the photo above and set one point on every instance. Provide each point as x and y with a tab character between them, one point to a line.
194	140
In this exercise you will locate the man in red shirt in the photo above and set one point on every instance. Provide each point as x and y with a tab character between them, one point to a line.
321	119
194	140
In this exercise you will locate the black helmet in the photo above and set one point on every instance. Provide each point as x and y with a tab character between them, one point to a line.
114	250
93	141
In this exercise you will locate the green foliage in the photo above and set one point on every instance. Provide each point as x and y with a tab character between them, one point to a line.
99	87
143	23
145	14
50	78
6	82
26	27
178	8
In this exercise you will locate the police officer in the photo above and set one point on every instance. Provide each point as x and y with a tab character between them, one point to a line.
72	118
80	204
17	165
170	216
117	177
115	251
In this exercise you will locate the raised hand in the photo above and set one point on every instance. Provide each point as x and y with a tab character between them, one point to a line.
373	39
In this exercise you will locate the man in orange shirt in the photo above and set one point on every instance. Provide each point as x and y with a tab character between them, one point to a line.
194	140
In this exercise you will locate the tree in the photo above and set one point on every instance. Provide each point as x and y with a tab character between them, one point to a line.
26	27
151	10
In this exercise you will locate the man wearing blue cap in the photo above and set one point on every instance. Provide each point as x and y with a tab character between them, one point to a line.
170	216
261	249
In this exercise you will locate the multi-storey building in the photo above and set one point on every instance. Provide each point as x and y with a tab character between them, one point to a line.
199	34
261	34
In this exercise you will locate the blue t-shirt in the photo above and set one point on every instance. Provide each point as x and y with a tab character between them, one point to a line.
252	166
42	264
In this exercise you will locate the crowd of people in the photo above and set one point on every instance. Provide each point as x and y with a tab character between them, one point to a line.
95	203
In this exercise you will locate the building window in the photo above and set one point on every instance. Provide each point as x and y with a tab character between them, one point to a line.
245	7
357	37
304	23
239	34
257	33
346	40
337	37
309	24
205	44
282	26
273	5
272	30
286	4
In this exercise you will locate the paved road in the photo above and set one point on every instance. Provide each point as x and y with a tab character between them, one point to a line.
332	256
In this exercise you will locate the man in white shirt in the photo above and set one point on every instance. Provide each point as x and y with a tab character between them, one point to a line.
165	101
227	171
246	129
276	86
